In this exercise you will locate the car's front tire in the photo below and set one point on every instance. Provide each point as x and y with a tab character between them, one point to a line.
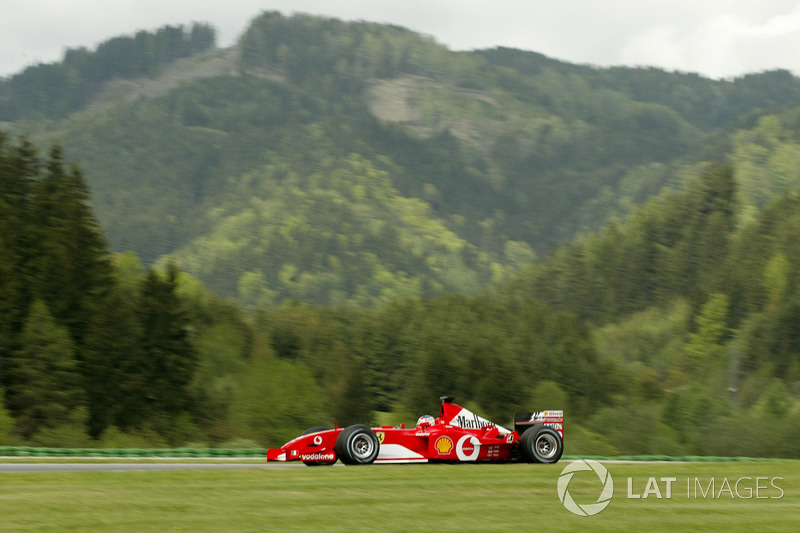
541	444
357	445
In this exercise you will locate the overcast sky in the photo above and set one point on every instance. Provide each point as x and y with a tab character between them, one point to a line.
717	38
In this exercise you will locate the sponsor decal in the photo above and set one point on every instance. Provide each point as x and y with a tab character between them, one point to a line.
443	445
319	456
539	415
318	440
471	422
381	436
468	448
466	419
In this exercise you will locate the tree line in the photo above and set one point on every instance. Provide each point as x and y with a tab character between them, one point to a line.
95	348
665	333
78	345
57	89
697	304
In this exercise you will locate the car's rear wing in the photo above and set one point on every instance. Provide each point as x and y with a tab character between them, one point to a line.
553	419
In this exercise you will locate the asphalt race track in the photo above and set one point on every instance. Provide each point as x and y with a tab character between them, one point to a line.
7	468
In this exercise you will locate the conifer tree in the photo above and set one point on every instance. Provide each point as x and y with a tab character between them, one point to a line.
707	230
18	167
111	364
168	358
69	266
46	383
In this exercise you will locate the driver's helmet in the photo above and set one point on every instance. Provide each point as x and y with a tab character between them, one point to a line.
425	421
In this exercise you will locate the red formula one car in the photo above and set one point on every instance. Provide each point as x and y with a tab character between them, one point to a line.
457	435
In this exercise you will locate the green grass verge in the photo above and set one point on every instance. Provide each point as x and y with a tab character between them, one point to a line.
511	497
28	451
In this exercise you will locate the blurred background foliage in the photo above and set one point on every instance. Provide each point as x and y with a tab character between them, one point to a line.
341	221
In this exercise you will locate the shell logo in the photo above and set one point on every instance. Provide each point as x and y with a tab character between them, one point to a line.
443	445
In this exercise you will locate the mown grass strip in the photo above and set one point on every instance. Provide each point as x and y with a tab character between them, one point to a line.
26	451
516	497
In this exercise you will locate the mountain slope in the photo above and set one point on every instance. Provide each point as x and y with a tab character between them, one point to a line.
500	151
341	234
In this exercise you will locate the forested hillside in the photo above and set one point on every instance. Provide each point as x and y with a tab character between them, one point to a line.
96	346
664	335
56	90
503	154
346	220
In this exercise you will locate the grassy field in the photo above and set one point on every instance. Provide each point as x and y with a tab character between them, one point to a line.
403	498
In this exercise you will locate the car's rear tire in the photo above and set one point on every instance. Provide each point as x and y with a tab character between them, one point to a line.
309	431
357	445
541	444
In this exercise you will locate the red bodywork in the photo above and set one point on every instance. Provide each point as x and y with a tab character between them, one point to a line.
457	435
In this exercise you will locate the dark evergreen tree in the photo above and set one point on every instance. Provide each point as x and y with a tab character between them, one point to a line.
69	266
355	405
168	359
710	220
18	168
46	381
112	364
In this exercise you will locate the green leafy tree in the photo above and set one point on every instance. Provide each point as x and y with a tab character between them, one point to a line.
356	404
548	395
776	277
705	345
278	399
772	339
775	402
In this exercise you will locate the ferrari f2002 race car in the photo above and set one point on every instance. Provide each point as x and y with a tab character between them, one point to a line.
456	435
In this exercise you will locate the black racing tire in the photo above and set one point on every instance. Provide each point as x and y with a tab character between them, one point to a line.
315	429
357	445
541	444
